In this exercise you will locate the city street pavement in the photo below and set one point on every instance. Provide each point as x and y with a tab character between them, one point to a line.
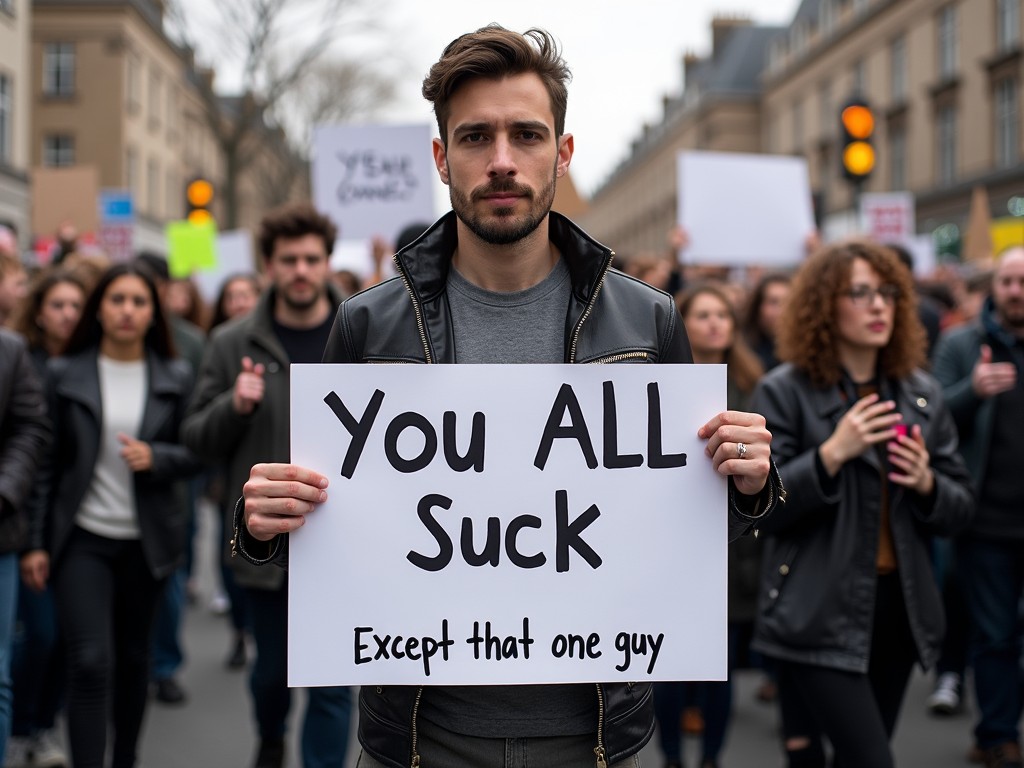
214	728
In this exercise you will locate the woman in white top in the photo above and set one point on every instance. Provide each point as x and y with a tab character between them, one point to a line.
108	518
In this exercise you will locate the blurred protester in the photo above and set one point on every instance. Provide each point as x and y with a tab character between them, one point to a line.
868	453
236	417
65	242
761	320
107	520
347	282
88	268
24	437
168	654
980	366
13	278
182	298
238	296
929	312
711	325
47	318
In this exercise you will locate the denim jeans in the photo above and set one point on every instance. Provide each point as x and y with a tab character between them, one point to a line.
326	722
167	653
37	668
993	578
8	608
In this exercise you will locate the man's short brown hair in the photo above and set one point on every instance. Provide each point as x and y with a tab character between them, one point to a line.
494	52
295	220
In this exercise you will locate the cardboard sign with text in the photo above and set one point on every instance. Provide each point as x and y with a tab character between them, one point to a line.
508	524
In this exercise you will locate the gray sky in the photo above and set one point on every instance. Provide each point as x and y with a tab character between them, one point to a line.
624	57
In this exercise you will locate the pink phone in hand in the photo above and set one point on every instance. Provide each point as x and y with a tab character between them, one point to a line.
901	429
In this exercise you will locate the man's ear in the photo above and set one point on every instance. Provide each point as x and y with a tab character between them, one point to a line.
441	160
565	148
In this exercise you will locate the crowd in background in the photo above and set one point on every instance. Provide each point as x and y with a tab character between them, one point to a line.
886	467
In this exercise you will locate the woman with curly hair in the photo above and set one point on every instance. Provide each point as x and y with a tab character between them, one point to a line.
868	453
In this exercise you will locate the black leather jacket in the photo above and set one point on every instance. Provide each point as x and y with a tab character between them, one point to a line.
819	570
611	318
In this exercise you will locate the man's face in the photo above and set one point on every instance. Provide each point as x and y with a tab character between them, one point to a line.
299	269
502	157
1008	290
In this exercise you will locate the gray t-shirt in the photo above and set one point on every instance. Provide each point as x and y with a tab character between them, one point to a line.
521	327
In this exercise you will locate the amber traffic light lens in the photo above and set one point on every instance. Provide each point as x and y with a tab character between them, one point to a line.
858	121
859	158
199	193
199	217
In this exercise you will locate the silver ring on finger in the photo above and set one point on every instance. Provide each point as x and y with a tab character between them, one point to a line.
741	450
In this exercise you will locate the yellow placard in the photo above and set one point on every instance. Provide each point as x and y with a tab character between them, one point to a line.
191	247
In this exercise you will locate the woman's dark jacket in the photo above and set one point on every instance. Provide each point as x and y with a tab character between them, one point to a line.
24	437
818	580
73	391
610	318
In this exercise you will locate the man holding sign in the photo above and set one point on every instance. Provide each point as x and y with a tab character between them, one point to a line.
502	279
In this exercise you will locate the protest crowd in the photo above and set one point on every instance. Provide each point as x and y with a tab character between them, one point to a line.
126	400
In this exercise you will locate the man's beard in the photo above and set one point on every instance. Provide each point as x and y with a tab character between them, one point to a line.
301	304
504	227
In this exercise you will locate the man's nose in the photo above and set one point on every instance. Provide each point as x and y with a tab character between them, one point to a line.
502	161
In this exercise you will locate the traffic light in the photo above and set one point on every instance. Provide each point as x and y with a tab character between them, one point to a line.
199	201
857	125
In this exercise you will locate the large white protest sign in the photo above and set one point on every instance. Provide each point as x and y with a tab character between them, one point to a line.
372	180
508	524
744	209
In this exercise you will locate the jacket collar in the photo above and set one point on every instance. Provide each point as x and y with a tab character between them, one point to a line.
426	261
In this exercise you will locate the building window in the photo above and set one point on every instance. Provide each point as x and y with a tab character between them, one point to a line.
859	6
6	118
798	128
1007	24
172	111
945	142
826	111
898	70
133	84
7	5
131	172
1006	122
897	158
59	69
860	78
827	20
155	97
947	43
58	150
153	187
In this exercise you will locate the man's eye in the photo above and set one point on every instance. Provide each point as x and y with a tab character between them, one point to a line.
473	138
530	135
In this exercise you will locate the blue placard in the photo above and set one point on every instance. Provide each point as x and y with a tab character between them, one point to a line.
116	206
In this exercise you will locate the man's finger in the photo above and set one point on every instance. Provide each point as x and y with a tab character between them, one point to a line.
289	472
247	364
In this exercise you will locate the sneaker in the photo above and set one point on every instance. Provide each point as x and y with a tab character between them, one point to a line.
270	755
169	692
947	698
18	753
47	751
1003	756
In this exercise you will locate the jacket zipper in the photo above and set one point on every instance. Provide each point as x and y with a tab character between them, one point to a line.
415	736
589	308
602	758
420	325
620	357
